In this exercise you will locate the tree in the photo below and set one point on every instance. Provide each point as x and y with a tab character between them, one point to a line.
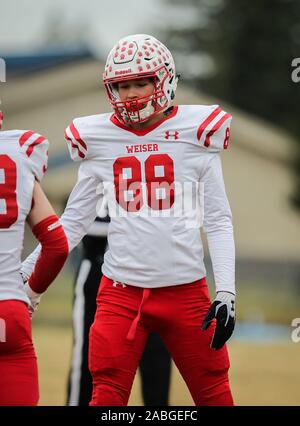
251	46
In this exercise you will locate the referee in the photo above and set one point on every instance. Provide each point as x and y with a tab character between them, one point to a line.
155	365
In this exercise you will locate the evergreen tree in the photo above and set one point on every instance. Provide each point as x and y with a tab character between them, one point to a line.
251	45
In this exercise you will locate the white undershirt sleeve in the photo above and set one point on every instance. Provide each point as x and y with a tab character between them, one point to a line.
217	225
81	210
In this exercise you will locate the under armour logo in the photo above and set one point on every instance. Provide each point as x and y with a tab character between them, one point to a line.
169	135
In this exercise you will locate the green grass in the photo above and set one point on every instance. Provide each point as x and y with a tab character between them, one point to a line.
266	301
267	305
55	308
259	374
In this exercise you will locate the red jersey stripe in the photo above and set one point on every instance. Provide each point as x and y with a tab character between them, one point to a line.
206	122
76	135
81	154
33	144
24	138
215	128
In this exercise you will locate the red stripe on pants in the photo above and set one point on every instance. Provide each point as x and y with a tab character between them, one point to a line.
18	365
174	312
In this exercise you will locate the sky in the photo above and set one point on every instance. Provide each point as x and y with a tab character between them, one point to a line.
24	24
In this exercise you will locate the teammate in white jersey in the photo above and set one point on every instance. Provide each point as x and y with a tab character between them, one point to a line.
23	162
159	168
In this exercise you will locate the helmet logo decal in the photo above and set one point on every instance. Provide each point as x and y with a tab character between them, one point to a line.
122	72
125	52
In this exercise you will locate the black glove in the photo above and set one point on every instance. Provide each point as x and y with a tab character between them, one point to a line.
223	309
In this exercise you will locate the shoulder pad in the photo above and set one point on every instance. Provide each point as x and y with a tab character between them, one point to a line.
77	146
35	147
214	130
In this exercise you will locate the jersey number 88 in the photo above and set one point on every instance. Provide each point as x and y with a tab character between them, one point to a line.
159	177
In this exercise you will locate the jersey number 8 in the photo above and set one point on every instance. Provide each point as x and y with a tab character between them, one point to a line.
8	185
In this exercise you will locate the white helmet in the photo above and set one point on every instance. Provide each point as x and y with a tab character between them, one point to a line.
140	56
1	119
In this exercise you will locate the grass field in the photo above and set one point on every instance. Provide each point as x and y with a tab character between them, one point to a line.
260	374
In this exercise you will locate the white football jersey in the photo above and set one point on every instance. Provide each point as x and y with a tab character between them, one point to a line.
23	158
161	184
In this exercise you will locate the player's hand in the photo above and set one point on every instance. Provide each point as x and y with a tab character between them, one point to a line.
34	298
223	310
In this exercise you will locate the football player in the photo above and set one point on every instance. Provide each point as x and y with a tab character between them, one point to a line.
23	162
155	365
159	166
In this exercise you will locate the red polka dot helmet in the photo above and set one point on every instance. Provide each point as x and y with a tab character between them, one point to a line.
140	56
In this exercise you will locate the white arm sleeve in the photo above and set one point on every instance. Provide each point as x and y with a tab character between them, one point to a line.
217	225
80	212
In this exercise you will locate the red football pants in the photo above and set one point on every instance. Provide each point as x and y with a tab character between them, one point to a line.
124	318
18	365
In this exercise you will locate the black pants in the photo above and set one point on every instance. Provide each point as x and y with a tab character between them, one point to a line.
155	365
